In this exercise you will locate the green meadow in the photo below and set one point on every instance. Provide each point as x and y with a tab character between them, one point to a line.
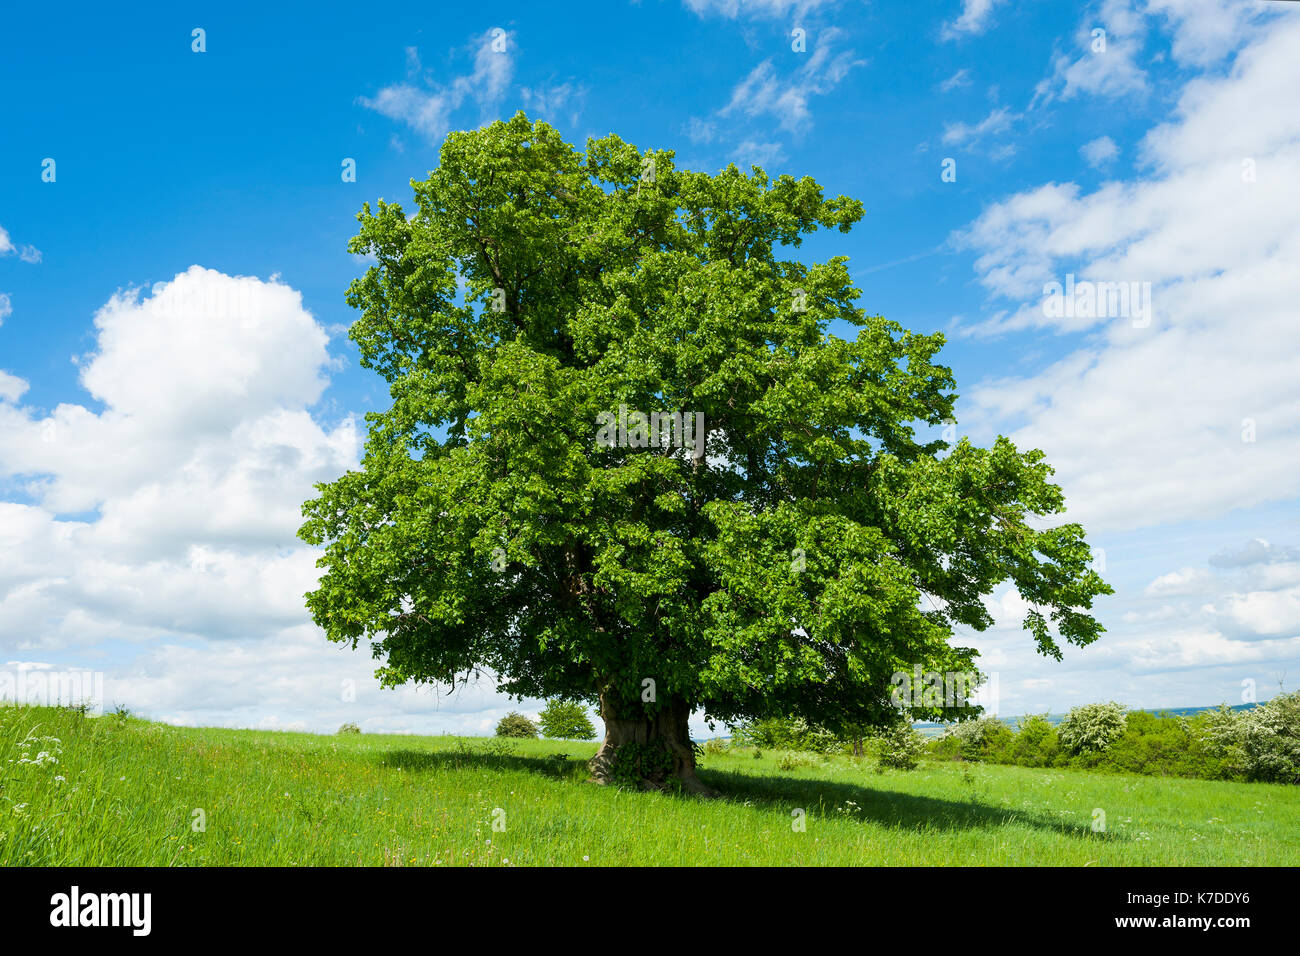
113	790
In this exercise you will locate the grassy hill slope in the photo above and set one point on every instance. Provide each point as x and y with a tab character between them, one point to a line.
110	791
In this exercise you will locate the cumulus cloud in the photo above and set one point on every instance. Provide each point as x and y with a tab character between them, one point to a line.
1100	151
154	535
1255	551
1193	412
1192	636
1107	54
1205	31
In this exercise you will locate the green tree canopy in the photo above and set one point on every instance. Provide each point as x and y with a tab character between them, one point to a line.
515	724
566	720
810	549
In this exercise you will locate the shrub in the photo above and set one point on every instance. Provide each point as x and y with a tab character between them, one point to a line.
516	725
786	733
1271	740
566	720
1035	743
793	760
984	737
1091	728
1153	744
1262	743
349	729
901	746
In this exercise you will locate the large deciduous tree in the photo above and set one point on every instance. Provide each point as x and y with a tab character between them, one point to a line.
812	547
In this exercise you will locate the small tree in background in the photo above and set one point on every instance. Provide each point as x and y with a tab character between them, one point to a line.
1091	728
901	746
1262	743
515	724
566	720
974	739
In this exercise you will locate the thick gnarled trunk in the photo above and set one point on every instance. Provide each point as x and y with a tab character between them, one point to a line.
648	750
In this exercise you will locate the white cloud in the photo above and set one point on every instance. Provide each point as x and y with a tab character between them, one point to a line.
549	103
765	91
1205	31
775	9
1161	411
1255	552
976	17
25	252
1189	638
752	153
427	106
187	485
999	120
1274	613
1182	582
1103	65
956	81
11	387
1100	151
700	131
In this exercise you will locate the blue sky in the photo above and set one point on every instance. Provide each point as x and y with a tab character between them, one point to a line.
151	463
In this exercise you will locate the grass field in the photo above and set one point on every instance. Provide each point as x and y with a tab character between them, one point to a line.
110	791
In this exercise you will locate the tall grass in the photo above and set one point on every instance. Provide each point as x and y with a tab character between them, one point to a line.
113	790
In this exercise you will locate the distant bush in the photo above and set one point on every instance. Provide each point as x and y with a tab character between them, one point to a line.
566	720
979	739
516	725
901	746
1159	745
1091	728
1035	743
349	729
786	733
1262	743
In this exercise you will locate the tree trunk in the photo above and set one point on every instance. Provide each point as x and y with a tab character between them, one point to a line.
649	751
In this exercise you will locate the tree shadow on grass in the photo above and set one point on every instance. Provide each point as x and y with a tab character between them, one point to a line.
903	811
557	766
821	798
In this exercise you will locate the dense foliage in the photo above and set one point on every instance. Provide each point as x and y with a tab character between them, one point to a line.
1091	728
775	733
901	746
1258	744
516	725
566	720
807	547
